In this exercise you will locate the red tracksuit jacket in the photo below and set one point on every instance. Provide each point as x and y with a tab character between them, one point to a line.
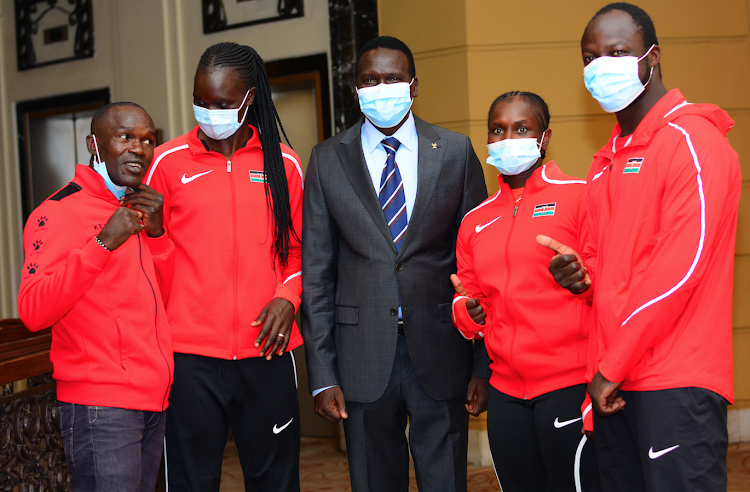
536	332
662	207
225	270
111	344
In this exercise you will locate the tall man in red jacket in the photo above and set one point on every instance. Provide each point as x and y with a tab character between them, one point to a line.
663	196
90	276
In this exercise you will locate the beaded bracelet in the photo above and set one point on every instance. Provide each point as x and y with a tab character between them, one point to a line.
101	243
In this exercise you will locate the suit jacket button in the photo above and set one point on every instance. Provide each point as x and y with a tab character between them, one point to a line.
394	311
399	266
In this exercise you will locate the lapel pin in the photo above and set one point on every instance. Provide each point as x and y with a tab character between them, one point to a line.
434	145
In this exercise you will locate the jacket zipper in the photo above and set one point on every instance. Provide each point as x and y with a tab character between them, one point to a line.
156	325
235	261
505	297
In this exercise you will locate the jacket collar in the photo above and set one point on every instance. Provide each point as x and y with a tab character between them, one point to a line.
196	146
540	178
93	184
653	120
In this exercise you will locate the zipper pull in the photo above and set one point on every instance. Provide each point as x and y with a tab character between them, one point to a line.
515	211
229	166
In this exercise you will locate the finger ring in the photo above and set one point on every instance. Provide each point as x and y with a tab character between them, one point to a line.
280	335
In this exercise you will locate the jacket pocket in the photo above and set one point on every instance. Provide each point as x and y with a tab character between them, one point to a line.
66	412
122	346
346	315
444	312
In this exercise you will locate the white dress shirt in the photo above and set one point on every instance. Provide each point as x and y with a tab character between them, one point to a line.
406	159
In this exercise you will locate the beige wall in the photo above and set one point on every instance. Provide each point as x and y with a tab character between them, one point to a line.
468	52
146	51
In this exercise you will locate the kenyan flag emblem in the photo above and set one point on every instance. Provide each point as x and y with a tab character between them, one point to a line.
544	210
633	165
257	176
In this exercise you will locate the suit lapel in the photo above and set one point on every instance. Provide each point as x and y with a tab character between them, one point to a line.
429	165
352	159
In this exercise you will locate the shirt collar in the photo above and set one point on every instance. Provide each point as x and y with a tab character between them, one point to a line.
407	135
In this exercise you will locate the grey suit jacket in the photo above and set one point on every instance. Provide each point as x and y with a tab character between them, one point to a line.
352	273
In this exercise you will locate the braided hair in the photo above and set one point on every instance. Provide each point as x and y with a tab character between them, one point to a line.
249	66
538	105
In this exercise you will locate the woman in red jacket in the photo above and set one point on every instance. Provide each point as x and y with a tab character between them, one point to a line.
233	208
536	332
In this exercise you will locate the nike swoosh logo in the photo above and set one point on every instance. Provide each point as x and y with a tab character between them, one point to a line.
559	425
480	228
653	455
185	180
276	430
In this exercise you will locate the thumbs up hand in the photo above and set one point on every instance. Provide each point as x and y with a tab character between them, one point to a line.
566	266
473	306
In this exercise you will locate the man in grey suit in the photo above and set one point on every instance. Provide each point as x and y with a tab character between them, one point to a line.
383	203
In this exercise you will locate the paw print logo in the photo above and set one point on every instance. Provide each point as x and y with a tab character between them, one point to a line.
32	268
37	244
42	220
99	227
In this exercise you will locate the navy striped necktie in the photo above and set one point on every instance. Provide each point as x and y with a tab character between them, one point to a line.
392	198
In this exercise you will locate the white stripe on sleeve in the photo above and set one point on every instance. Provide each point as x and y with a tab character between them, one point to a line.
158	160
703	231
299	168
290	277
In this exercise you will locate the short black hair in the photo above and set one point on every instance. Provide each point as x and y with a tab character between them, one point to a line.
390	43
104	111
535	101
642	21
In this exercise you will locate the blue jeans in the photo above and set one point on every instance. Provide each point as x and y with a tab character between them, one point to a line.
112	449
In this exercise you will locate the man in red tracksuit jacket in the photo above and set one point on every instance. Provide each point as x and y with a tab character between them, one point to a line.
89	274
663	197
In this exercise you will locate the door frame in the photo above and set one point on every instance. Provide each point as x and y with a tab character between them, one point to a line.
305	69
27	111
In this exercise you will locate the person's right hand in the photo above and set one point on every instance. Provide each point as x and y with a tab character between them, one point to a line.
473	306
330	404
604	397
124	223
566	266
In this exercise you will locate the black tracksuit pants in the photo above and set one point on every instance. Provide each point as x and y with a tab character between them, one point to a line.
673	439
537	444
257	399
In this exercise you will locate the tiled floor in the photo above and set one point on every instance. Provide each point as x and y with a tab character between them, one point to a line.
323	468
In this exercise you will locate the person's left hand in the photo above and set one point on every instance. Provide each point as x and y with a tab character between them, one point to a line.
476	396
604	397
149	202
277	318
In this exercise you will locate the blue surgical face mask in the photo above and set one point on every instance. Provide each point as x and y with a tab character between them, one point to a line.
614	81
513	156
219	124
101	169
385	105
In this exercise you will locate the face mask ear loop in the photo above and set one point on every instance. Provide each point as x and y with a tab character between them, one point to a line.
243	102
541	141
96	147
652	68
646	53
